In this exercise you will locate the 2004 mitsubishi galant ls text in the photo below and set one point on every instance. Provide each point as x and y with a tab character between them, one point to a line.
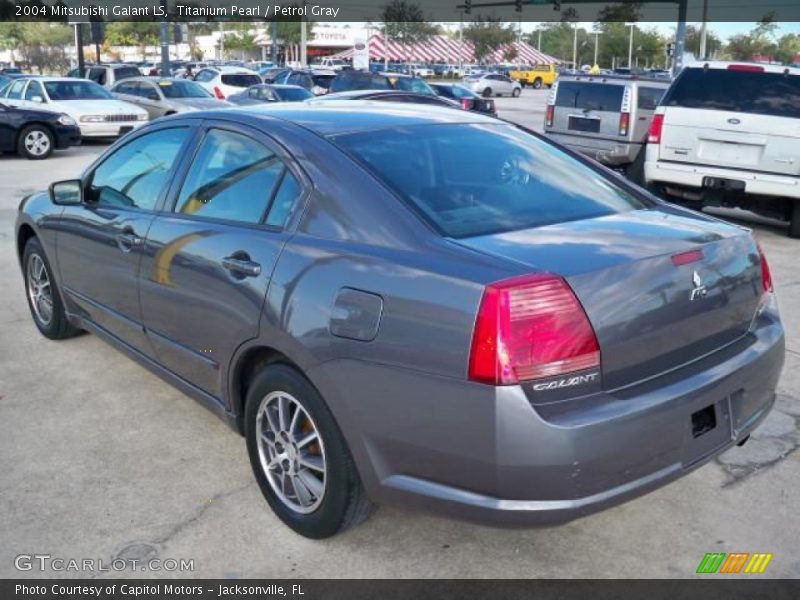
428	307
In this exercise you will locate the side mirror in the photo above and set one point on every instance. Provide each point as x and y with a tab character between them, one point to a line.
37	99
67	193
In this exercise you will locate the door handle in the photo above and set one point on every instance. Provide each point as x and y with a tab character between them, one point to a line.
239	266
128	240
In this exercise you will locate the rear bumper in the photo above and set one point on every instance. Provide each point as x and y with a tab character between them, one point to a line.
489	454
608	152
690	175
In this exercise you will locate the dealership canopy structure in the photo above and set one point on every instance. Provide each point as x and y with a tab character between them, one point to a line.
441	48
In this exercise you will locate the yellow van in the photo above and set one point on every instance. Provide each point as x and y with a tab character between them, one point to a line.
535	75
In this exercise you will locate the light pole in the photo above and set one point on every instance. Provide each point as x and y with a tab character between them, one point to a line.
596	37
703	32
630	45
575	46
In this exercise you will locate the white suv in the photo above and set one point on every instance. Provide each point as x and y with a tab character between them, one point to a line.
728	134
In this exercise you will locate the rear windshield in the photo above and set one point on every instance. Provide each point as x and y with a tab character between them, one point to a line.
476	179
738	91
126	72
241	80
183	89
293	94
354	80
590	96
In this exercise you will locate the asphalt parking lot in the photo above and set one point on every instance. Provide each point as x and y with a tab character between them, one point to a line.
101	459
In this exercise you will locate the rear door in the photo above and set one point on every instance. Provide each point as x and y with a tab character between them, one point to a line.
741	119
588	109
209	257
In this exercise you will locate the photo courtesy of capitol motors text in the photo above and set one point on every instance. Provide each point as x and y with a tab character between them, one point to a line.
233	11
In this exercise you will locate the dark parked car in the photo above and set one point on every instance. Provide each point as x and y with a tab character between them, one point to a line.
316	81
265	93
346	81
413	305
391	96
465	97
34	134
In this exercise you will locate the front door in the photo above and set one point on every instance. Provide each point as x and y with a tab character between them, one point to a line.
99	243
208	262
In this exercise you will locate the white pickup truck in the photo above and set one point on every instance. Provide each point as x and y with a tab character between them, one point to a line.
728	134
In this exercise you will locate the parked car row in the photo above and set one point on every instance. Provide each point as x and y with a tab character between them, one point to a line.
720	134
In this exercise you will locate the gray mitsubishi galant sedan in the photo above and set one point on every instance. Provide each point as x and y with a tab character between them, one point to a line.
413	305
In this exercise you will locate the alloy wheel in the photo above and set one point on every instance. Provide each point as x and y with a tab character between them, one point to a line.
291	452
40	292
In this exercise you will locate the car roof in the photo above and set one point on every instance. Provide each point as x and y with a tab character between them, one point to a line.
614	79
229	69
722	64
334	117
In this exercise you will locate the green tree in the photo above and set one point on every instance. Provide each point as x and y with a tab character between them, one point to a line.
405	22
133	33
692	44
238	36
487	34
11	35
788	48
43	45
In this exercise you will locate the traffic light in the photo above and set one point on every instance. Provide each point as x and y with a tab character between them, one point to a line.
669	50
557	5
98	32
518	5
467	6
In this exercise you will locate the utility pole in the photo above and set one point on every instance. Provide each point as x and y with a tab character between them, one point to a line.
630	46
539	42
274	36
303	40
221	41
164	43
461	46
575	46
680	38
79	49
703	33
596	38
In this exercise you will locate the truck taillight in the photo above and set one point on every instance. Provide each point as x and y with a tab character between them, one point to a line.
466	103
654	133
746	68
218	93
548	116
624	123
530	327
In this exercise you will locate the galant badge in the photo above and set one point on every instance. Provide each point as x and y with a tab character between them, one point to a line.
699	290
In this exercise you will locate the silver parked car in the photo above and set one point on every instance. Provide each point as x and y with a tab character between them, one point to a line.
605	117
493	84
164	96
106	75
411	304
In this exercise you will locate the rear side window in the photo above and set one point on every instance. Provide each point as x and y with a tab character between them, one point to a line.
471	179
232	178
98	75
355	80
205	75
590	96
737	91
648	98
242	80
126	73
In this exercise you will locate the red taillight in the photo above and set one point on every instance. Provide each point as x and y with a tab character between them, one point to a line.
466	103
530	327
624	122
748	68
766	276
548	117
218	93
686	258
654	133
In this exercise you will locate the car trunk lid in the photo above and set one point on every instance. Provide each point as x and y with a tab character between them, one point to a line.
650	314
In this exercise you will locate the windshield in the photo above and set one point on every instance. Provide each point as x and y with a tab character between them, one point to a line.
182	89
413	84
590	96
738	91
475	179
293	94
76	90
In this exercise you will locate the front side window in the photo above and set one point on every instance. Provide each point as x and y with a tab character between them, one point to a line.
136	174
205	75
233	177
471	179
16	90
128	89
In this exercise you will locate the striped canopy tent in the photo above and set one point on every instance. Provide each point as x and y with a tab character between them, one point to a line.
441	48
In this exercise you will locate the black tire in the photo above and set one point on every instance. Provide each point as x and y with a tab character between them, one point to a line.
537	83
487	93
58	327
516	92
344	502
635	170
35	142
794	222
